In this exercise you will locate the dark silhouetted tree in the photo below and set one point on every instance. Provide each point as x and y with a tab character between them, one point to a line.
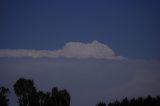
42	98
3	96
60	98
101	104
28	95
125	102
26	92
64	98
133	102
55	96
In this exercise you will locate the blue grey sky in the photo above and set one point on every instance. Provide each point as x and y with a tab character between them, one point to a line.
96	49
131	28
88	81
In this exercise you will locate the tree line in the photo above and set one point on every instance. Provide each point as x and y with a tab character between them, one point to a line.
141	101
28	95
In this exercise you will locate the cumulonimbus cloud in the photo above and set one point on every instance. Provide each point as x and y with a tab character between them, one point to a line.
77	50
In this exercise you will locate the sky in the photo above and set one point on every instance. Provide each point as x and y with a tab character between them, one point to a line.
129	27
100	49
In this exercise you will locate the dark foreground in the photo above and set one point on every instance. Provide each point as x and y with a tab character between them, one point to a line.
28	95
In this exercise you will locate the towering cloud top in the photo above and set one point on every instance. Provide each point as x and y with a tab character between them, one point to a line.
95	50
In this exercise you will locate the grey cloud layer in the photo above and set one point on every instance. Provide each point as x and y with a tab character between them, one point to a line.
88	81
78	50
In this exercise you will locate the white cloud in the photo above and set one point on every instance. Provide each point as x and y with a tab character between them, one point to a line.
77	50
